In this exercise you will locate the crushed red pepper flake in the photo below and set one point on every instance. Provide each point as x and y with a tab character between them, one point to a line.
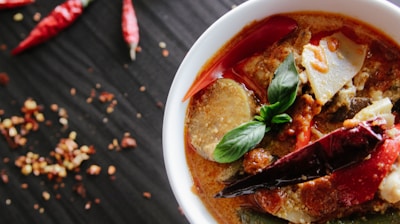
72	91
16	128
88	205
160	104
111	170
147	195
66	157
80	189
181	210
41	210
37	16
4	79
97	201
58	196
106	97
3	47
138	49
46	195
165	53
6	160
4	176
94	170
90	70
128	142
24	186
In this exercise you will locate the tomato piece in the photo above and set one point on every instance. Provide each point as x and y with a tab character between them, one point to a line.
252	40
304	137
359	183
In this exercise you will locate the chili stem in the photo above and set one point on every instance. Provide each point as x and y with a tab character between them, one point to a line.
130	28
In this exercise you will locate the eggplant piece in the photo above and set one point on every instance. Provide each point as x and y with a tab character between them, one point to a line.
356	104
337	150
396	106
222	106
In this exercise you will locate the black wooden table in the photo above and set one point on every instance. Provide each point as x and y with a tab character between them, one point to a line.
71	71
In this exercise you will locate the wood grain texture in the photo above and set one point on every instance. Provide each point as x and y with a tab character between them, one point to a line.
91	54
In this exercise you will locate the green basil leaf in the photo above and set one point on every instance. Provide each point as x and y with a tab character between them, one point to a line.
238	141
283	87
268	111
281	119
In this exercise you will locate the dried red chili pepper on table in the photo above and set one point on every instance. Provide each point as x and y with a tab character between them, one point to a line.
8	4
58	19
130	28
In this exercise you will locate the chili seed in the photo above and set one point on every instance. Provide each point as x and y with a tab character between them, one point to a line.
111	170
46	195
162	44
18	17
88	205
41	210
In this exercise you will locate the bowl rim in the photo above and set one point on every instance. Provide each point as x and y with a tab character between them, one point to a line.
215	37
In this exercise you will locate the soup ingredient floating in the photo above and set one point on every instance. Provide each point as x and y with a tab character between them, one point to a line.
281	95
253	40
130	28
333	152
8	4
59	19
331	64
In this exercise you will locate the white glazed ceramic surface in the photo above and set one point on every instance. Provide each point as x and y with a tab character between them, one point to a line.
378	13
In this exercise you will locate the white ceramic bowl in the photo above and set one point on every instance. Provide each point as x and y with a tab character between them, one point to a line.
379	13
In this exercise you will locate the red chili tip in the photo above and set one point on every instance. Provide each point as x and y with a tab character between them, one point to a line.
17	50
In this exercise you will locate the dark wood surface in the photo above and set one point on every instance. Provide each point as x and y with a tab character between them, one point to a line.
91	55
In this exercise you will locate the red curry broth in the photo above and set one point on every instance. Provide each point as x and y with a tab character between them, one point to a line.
206	174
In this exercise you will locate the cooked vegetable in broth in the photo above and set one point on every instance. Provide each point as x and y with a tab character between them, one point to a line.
296	119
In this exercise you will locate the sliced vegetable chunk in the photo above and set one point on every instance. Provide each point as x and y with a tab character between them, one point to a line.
331	64
224	106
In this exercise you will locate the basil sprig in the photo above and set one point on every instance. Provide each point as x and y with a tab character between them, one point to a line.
281	95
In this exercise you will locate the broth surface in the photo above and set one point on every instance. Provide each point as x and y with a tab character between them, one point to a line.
378	78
